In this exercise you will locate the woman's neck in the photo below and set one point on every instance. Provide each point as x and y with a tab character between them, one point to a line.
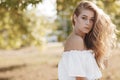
78	34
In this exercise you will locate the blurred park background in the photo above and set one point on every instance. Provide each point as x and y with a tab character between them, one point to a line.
32	33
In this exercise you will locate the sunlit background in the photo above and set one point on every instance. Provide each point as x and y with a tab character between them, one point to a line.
32	33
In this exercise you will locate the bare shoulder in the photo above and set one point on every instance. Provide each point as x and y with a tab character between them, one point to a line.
74	43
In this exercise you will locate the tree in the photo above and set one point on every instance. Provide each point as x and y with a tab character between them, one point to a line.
17	28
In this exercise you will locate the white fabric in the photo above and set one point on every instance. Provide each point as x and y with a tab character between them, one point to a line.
78	63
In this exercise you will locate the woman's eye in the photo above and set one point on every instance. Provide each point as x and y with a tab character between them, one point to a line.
92	19
84	18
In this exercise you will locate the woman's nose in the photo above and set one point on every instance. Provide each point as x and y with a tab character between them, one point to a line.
87	22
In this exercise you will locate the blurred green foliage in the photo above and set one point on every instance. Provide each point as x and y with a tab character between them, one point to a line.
17	4
19	28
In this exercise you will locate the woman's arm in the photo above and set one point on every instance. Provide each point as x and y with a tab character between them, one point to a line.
81	78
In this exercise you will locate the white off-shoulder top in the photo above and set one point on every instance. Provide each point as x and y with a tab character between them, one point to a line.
78	63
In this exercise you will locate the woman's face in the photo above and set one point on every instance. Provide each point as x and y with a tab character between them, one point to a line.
84	22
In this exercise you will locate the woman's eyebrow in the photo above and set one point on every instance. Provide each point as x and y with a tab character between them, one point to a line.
87	16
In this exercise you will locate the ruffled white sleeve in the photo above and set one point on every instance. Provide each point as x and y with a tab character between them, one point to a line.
75	65
80	63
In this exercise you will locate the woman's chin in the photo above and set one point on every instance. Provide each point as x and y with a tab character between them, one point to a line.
86	32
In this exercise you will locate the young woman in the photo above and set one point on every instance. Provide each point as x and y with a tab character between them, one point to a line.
88	45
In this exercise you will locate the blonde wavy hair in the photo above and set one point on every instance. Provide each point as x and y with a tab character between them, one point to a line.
102	36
